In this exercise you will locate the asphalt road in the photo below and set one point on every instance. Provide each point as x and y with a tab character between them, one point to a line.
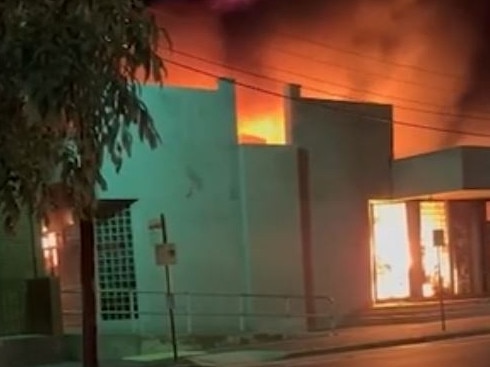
465	352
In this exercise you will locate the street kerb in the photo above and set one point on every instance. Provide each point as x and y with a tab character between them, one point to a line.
388	343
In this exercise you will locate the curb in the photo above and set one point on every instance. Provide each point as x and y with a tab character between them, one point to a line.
388	343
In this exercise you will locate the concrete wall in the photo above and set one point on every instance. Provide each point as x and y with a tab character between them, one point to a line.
20	259
349	148
476	167
193	179
427	174
440	172
270	215
232	211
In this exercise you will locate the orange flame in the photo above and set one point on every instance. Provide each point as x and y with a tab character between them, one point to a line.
262	130
392	255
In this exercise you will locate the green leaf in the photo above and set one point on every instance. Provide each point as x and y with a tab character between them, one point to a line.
69	95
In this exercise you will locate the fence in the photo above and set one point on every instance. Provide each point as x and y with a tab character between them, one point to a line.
140	312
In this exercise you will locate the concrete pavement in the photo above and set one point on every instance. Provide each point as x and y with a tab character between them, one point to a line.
322	344
345	340
464	352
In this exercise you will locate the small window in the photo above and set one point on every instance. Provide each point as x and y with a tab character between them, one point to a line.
115	265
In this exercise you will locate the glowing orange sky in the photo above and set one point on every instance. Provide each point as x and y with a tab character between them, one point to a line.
328	72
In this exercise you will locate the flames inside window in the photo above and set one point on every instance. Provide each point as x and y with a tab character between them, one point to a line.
392	250
50	241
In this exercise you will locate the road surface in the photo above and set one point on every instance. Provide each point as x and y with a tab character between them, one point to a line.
465	352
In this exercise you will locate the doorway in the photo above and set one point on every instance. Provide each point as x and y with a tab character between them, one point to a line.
433	216
391	250
401	248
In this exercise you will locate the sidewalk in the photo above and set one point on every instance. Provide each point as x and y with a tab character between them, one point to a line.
345	340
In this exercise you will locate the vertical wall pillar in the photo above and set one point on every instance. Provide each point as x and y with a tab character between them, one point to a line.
416	270
292	93
477	248
486	256
485	247
306	240
466	220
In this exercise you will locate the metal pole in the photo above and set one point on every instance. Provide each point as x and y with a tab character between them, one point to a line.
189	313
242	312
89	305
441	289
170	296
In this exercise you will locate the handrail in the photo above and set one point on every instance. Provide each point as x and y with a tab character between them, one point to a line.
239	308
208	294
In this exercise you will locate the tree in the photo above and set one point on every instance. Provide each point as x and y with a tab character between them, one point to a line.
70	73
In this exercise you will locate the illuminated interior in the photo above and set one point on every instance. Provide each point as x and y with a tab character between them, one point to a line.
391	251
433	217
50	243
52	239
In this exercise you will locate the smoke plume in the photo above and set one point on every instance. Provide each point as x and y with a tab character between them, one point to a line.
416	54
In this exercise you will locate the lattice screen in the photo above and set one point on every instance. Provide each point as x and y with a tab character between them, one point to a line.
116	269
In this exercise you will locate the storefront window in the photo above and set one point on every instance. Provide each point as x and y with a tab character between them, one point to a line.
391	251
433	217
409	263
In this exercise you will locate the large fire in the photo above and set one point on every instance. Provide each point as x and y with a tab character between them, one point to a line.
373	51
262	129
391	251
391	248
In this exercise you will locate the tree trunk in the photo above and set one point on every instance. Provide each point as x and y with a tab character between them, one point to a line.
87	276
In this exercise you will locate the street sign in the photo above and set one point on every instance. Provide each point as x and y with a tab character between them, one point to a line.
165	254
438	237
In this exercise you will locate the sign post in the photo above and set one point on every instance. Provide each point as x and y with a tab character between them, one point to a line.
439	243
165	256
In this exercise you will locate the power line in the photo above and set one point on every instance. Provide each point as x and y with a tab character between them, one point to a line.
313	58
323	91
331	108
320	60
345	51
367	56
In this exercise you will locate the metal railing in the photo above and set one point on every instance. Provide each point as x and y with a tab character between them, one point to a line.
235	310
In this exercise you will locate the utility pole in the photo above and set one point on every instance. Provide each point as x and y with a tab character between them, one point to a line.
89	303
170	295
165	256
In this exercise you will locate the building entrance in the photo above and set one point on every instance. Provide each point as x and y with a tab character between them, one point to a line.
407	262
391	251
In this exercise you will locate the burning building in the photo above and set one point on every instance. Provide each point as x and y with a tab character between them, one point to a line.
277	206
268	236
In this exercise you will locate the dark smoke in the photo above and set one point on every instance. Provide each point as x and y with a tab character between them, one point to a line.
477	93
246	29
247	26
462	26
